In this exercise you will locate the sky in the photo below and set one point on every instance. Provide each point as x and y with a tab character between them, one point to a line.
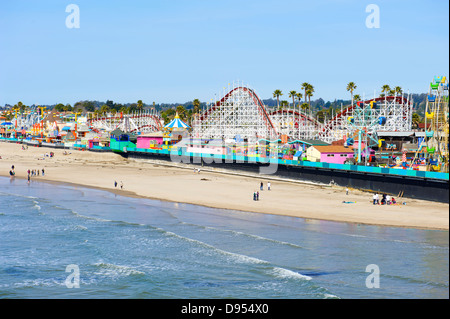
179	50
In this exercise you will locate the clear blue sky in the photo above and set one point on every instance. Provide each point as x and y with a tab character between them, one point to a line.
176	51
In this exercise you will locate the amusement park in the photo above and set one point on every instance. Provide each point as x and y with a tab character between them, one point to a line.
371	132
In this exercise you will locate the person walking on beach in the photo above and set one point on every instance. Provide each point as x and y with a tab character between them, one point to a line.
254	195
115	183
268	186
257	195
261	187
346	191
42	172
121	185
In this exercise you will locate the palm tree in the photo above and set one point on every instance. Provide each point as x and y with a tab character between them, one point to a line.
304	106
309	94
299	98
351	86
385	89
398	90
293	95
305	86
277	94
181	112
284	104
357	98
104	109
140	105
196	103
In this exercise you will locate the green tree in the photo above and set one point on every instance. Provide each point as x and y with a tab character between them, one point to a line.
385	89
416	118
299	97
277	94
140	105
309	94
132	108
89	106
123	110
351	86
196	104
104	109
59	107
181	110
320	115
398	90
293	95
305	86
304	106
356	98
110	103
67	108
284	104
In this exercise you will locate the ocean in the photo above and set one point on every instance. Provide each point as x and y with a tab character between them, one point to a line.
70	242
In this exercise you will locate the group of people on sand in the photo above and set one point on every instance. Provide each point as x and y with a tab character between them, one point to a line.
261	187
121	184
34	172
51	154
385	199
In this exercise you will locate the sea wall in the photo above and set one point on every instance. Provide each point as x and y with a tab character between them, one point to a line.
433	186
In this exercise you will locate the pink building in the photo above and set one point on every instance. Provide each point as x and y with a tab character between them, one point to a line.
146	140
337	154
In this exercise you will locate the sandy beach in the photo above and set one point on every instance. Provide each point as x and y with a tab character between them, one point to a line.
215	189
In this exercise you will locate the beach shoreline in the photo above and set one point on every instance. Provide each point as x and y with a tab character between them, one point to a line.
232	191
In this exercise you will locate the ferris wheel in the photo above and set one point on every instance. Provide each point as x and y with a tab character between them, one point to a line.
437	126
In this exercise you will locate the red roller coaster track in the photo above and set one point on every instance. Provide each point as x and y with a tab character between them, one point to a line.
262	110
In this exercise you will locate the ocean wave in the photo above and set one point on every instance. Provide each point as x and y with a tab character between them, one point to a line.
116	271
17	195
38	282
36	205
238	233
287	274
90	217
234	256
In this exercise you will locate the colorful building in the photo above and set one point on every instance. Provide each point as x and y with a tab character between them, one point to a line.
329	153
